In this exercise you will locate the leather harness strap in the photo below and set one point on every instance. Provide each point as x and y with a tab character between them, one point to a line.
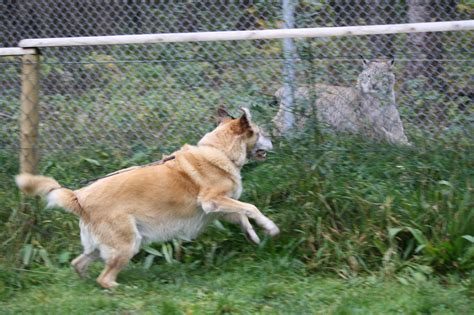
162	161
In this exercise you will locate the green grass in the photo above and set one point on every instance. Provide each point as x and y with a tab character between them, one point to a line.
344	206
242	286
366	228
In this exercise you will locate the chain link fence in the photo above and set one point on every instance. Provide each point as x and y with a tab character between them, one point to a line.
140	97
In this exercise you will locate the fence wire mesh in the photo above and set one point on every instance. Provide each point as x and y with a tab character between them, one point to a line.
135	97
10	92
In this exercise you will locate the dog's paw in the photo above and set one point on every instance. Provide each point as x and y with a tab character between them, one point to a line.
272	231
81	272
252	236
269	227
108	284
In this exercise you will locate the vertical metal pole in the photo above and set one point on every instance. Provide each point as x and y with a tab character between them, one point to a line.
29	114
289	54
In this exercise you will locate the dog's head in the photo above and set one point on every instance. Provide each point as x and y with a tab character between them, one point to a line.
239	138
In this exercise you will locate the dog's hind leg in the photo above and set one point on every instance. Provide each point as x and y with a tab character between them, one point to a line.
120	241
82	262
90	254
115	261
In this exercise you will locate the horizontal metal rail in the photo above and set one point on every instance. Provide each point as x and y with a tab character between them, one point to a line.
250	35
16	51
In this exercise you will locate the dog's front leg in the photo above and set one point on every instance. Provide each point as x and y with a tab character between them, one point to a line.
229	205
245	225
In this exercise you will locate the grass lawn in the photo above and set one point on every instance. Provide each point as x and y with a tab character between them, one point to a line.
346	211
240	287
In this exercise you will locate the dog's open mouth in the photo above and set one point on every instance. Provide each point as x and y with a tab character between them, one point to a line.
260	155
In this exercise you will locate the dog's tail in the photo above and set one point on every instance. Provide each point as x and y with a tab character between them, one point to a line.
34	185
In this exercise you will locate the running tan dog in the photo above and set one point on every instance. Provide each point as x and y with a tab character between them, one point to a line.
176	199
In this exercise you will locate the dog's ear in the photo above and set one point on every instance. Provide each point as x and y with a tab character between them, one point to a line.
246	118
243	123
222	114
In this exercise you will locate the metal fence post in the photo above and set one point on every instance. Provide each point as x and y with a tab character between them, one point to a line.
29	113
289	54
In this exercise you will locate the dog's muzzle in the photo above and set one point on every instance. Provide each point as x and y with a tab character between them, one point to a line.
260	155
261	148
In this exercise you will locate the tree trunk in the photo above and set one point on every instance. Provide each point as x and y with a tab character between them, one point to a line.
426	48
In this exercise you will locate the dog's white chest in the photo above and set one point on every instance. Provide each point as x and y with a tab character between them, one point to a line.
237	192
